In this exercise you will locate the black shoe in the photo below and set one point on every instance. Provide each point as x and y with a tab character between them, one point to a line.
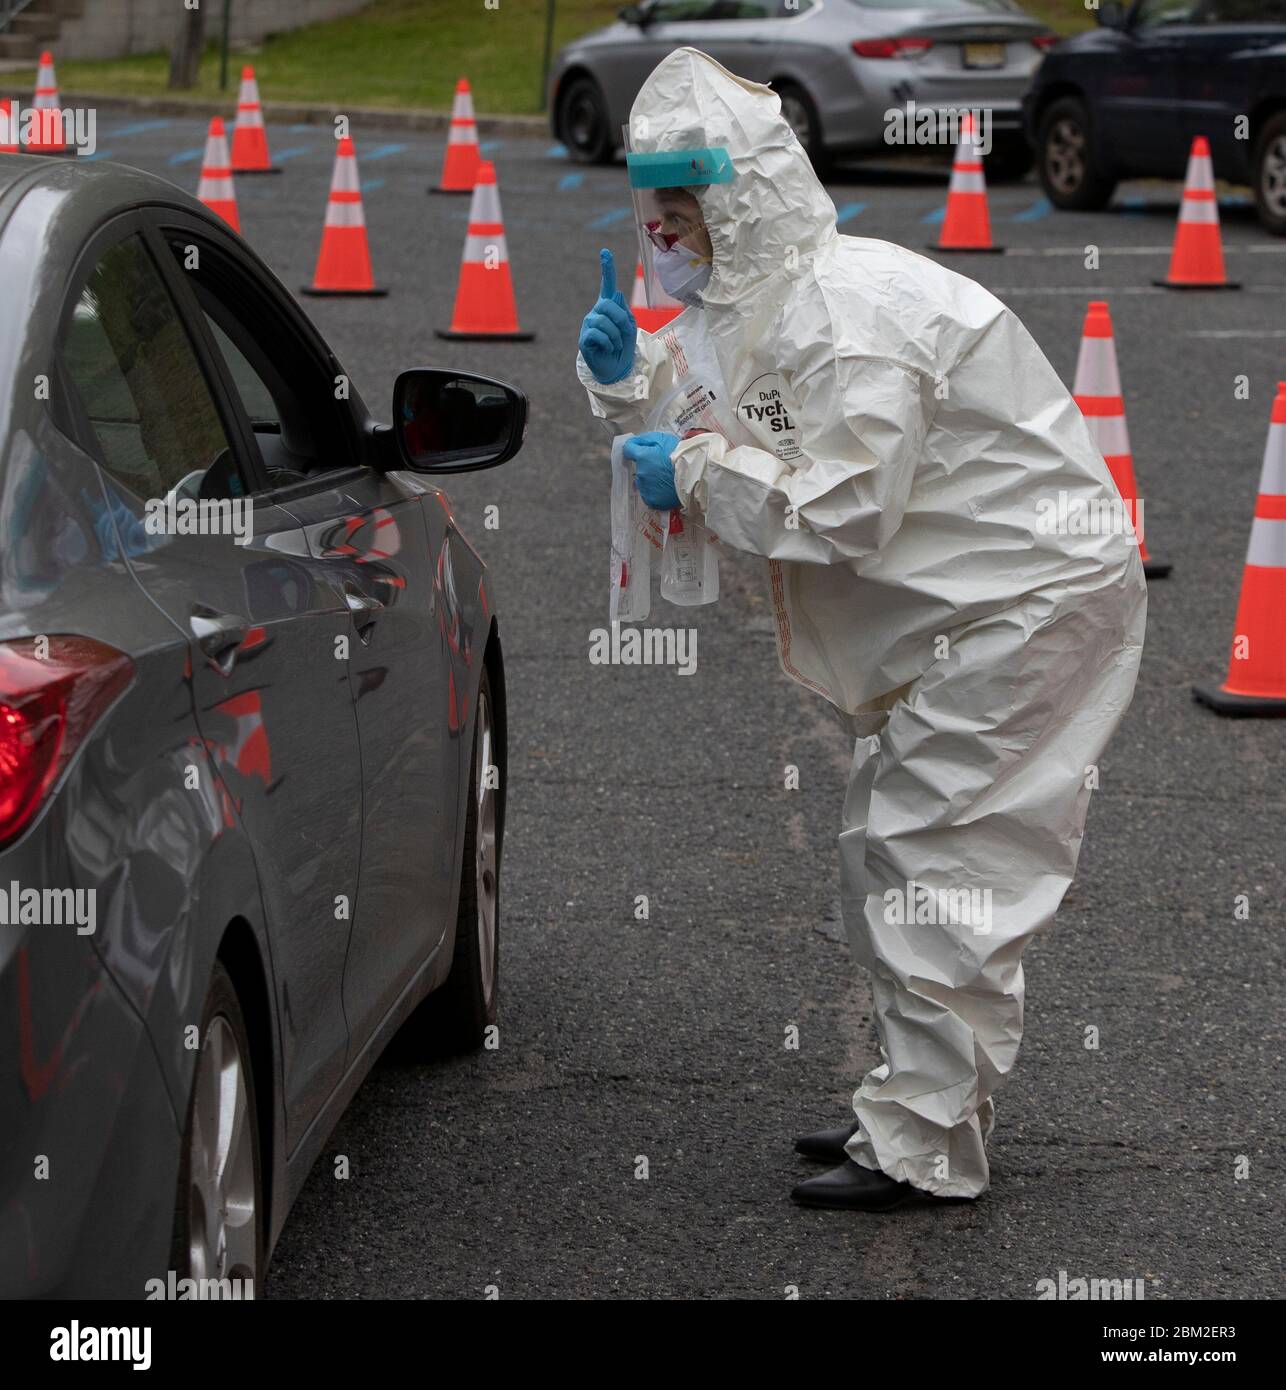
827	1144
852	1186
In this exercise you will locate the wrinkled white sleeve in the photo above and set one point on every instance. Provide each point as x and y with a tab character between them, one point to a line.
863	422
626	404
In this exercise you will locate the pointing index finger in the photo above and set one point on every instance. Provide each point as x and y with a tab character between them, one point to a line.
608	267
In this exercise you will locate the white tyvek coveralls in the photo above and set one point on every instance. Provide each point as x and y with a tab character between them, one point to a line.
982	659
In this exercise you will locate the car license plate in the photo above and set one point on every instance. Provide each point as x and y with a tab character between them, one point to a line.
984	55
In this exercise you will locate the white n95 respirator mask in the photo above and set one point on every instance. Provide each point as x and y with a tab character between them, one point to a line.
683	274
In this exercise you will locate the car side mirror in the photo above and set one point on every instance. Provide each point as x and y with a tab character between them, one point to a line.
634	14
1110	15
455	422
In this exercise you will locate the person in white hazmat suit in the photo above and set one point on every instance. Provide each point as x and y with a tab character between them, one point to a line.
981	650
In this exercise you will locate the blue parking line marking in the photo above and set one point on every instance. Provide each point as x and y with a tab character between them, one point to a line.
556	152
306	128
100	154
1042	207
291	153
847	211
931	219
609	219
1134	206
383	152
487	146
368	184
185	156
138	128
571	180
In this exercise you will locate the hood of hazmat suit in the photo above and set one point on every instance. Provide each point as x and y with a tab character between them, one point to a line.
950	565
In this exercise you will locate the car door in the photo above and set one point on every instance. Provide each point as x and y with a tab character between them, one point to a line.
1139	86
275	719
1217	54
368	533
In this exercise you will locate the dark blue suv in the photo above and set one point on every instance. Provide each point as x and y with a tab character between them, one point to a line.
1126	100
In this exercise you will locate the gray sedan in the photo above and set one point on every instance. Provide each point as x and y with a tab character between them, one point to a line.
840	67
252	737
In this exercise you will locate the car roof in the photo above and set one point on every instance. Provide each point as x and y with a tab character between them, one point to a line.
86	192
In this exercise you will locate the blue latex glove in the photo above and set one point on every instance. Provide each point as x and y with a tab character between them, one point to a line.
650	455
608	333
134	534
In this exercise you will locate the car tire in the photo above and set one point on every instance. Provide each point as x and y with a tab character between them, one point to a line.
800	112
582	122
1067	172
1270	174
456	1016
1010	159
218	1207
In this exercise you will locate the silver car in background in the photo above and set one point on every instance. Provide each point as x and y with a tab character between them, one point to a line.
839	66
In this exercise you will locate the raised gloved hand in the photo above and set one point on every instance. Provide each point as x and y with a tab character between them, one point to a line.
650	455
608	333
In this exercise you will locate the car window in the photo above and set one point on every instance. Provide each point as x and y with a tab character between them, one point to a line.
1156	14
674	11
993	6
1239	12
138	380
303	429
256	397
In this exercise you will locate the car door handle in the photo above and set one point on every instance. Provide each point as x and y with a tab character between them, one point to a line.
365	610
218	635
362	603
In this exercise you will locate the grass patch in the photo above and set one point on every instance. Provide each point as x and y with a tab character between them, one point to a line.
403	53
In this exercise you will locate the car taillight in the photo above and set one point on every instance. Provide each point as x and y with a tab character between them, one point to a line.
890	48
52	692
1045	41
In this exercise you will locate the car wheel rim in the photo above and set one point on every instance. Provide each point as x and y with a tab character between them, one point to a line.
582	122
1065	156
1273	179
796	118
485	868
223	1221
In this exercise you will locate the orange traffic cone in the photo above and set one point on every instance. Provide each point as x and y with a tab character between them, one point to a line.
46	135
1196	260
1097	390
484	301
249	135
1256	683
8	128
215	189
344	261
460	165
652	318
967	224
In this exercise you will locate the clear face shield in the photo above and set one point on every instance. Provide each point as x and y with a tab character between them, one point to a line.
673	241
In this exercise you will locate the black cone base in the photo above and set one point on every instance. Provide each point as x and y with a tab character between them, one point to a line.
1239	706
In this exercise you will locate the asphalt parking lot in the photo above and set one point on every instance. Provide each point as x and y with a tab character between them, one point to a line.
1156	1156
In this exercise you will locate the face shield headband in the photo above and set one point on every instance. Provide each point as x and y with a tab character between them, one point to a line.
660	227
